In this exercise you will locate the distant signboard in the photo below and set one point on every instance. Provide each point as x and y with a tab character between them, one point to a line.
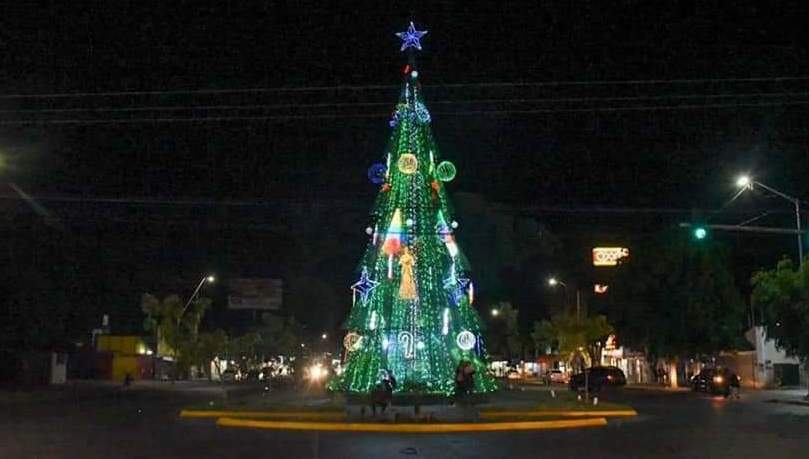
609	256
265	294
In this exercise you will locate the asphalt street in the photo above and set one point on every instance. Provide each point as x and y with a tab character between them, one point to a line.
144	424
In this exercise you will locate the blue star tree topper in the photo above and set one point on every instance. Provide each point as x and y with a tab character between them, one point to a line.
411	37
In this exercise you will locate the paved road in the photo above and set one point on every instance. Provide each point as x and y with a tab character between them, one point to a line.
144	424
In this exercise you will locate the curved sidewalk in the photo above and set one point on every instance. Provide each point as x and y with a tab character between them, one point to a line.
411	428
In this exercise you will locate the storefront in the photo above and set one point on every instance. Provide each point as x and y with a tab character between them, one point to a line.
633	364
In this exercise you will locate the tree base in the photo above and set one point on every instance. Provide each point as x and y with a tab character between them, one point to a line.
404	399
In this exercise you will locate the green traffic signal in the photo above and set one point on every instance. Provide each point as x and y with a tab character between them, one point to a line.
700	233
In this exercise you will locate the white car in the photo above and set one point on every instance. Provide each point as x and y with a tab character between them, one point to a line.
556	377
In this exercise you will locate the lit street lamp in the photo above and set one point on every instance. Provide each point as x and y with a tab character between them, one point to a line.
553	282
210	279
495	312
324	336
745	182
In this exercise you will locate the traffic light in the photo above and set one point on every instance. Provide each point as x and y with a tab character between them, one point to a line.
700	232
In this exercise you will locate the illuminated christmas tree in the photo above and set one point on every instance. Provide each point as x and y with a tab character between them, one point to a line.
412	310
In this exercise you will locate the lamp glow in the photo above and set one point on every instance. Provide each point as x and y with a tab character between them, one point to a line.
316	372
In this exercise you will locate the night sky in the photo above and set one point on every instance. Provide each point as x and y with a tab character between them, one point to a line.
162	141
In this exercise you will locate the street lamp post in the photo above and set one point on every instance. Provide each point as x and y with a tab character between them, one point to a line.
586	376
553	282
746	182
209	278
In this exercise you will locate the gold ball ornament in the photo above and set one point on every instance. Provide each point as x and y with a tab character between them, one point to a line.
352	341
408	164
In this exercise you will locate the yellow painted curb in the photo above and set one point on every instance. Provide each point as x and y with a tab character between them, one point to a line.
568	414
411	428
333	415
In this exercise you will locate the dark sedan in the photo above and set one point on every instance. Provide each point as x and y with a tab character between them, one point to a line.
598	378
715	381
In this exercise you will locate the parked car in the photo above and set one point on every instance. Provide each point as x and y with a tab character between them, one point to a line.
555	377
598	378
513	374
715	381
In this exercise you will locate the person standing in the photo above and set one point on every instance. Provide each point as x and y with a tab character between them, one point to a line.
390	381
469	378
734	384
460	382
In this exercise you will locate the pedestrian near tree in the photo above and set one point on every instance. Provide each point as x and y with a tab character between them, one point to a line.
469	377
391	380
459	380
382	394
464	379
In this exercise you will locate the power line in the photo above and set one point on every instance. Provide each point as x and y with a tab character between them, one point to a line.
631	82
62	95
377	86
353	203
206	119
148	108
627	109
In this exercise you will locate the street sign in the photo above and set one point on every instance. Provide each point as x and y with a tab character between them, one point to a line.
256	293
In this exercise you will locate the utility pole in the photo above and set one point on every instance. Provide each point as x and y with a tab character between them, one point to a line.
798	225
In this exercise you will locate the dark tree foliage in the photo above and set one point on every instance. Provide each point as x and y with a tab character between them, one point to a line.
676	297
782	294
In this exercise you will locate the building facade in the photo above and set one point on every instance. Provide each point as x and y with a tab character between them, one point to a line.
766	366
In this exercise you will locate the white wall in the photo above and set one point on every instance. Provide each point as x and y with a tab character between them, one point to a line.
767	355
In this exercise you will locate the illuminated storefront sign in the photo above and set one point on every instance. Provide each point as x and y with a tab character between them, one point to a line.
609	256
